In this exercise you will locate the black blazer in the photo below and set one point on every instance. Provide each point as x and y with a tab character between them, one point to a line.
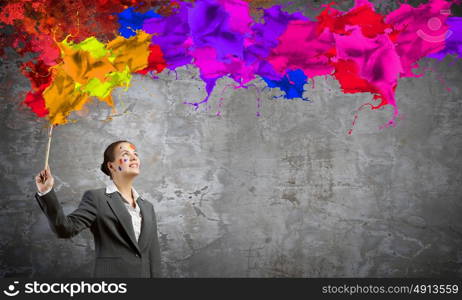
118	254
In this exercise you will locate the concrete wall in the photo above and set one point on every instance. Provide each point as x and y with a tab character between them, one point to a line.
286	194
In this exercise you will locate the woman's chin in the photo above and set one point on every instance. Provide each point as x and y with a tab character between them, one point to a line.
135	172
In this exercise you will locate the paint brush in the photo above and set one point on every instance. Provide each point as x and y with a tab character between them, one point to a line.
50	131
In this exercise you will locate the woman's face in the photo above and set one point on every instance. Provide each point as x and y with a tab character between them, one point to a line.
126	160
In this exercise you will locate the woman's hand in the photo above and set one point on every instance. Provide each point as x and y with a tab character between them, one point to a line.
44	180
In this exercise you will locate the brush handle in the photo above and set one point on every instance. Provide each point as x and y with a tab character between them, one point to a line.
50	131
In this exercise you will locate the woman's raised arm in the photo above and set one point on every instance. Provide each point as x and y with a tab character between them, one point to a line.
64	226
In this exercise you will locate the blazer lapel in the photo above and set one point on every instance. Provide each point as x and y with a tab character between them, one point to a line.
119	209
146	223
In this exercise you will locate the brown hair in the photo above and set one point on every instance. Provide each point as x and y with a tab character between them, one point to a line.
109	156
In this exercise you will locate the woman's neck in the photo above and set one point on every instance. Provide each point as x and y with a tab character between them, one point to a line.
124	187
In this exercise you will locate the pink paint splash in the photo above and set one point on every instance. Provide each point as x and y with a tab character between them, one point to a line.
376	66
357	44
311	54
239	15
415	39
369	52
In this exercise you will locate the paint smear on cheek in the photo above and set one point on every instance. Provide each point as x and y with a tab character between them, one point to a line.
121	161
120	169
133	147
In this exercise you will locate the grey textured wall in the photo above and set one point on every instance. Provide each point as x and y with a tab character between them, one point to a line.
288	193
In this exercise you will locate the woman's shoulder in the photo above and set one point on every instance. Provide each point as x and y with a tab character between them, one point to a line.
95	193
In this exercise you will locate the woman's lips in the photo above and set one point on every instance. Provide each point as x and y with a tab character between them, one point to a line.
134	165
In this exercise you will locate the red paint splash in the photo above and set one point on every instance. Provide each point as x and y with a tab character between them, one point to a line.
371	22
39	75
347	73
36	102
38	24
156	61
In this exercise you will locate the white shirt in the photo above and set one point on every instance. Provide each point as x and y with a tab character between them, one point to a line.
134	212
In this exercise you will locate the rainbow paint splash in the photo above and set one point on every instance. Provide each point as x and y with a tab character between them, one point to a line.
85	51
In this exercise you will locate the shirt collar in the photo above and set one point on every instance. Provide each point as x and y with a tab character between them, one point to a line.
112	188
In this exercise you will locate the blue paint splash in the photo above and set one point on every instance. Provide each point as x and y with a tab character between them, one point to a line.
291	84
130	21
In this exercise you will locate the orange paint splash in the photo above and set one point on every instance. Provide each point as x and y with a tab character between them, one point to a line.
93	69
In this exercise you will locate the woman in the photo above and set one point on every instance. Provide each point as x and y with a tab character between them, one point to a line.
123	224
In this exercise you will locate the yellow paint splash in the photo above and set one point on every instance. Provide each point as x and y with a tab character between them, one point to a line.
91	68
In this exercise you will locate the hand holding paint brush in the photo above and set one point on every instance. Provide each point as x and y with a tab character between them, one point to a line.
44	180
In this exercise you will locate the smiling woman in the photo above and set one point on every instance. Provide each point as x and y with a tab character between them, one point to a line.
123	224
121	162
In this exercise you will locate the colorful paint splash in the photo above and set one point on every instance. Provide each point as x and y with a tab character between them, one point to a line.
85	50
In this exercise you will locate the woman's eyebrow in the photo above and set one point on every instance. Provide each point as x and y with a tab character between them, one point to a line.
124	150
